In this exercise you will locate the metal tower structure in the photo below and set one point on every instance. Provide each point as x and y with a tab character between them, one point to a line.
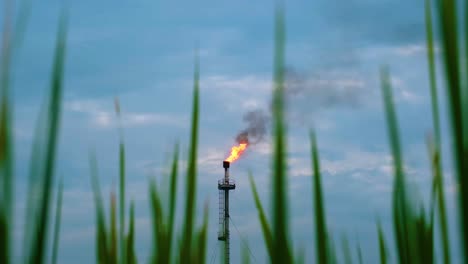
224	186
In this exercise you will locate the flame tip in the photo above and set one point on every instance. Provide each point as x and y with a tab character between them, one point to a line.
236	152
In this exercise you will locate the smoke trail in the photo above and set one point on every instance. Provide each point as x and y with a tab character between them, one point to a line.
256	121
326	90
306	94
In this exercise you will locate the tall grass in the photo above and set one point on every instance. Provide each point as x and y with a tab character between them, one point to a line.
58	217
190	190
456	79
413	223
321	235
35	246
192	246
6	166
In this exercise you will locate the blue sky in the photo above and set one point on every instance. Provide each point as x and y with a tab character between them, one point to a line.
143	53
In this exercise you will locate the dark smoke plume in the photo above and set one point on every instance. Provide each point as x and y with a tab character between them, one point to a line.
256	129
306	94
325	90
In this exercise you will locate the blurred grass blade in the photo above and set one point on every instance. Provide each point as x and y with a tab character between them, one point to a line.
6	181
359	253
22	19
267	236
382	244
4	238
441	208
113	231
39	243
425	236
101	236
432	72
122	208
403	217
300	259
436	152
281	248
34	190
172	200
332	257
443	221
58	214
200	249
122	201
346	251
190	191
160	252
448	24
321	238
131	255
245	253
438	199
6	162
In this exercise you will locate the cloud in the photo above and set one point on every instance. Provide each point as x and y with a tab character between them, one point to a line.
357	163
402	92
208	162
242	93
103	117
245	84
411	49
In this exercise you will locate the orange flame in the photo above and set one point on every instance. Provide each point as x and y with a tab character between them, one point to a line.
236	152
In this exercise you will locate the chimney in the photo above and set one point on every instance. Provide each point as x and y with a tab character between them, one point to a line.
226	170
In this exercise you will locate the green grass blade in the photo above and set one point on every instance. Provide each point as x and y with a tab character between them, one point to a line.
346	251
266	230
359	253
432	71
4	238
102	244
402	213
40	242
393	133
300	259
113	231
382	244
24	13
321	238
6	180
172	199
131	255
425	235
245	253
464	93
281	249
190	191
200	249
58	214
332	257
443	222
442	210
448	24
6	163
122	201
436	154
33	191
160	252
